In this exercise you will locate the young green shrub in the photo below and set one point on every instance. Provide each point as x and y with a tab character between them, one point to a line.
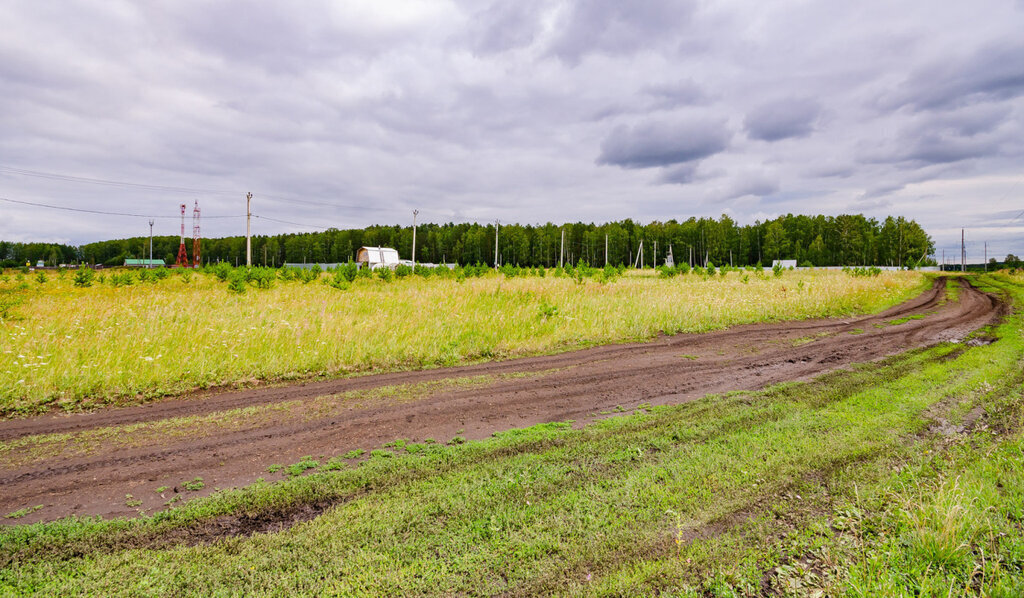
41	277
263	278
401	271
236	283
547	310
84	276
222	270
308	275
384	273
347	272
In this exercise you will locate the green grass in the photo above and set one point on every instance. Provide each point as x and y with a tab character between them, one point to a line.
878	480
906	319
130	344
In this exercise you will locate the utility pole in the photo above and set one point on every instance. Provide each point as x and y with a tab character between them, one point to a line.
497	223
986	256
150	244
248	230
414	214
606	249
943	268
963	253
561	250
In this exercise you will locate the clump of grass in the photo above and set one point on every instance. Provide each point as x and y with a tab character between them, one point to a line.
906	319
23	512
304	465
194	485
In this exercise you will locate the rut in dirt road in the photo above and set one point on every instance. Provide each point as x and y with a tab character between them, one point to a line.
87	476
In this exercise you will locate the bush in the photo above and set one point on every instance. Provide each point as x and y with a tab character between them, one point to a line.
84	276
777	270
341	280
384	273
262	277
41	277
124	279
859	271
346	272
236	283
221	270
401	271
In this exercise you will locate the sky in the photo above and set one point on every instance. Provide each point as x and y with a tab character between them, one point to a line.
350	113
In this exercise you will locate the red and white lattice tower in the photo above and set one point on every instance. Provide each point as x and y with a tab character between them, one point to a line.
196	260
182	261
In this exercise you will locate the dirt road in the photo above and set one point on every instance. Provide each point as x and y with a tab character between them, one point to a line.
88	464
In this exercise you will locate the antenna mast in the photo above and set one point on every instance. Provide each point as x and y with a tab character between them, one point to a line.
196	260
182	261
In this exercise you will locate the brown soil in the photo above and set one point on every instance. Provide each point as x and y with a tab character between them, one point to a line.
577	385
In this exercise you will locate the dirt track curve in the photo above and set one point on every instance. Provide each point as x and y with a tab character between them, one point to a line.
88	476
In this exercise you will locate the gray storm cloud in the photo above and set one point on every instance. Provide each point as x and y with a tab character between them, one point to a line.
344	114
656	143
782	119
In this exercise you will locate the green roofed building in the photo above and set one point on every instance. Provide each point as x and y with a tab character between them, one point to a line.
143	263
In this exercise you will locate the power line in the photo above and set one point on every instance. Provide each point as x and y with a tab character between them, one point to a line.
292	223
168	188
88	211
106	182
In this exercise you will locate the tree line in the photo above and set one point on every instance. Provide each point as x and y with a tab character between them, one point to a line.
846	240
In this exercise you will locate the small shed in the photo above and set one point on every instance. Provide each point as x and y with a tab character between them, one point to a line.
785	264
377	257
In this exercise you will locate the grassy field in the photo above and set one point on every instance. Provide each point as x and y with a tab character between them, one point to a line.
72	348
903	477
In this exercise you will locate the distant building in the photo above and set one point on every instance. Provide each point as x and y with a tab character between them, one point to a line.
377	257
786	264
155	263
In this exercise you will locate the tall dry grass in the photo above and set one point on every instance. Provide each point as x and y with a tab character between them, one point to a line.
83	347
